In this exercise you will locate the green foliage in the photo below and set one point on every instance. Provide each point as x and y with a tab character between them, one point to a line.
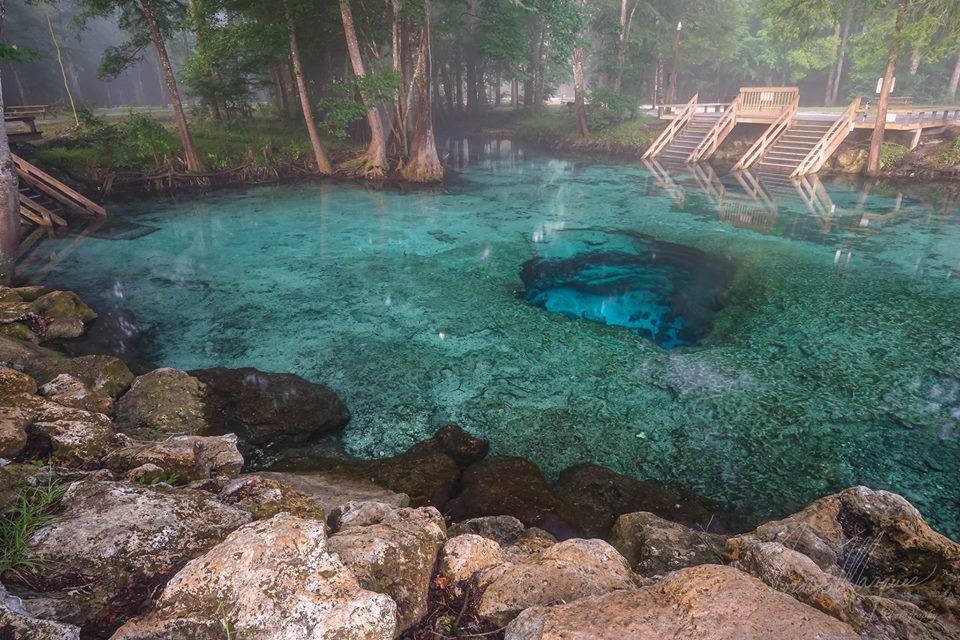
892	154
138	139
607	107
338	112
341	109
949	156
32	510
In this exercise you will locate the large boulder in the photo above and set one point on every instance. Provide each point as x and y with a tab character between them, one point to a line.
566	571
161	403
456	443
334	488
120	540
105	375
709	602
64	313
654	546
427	477
878	543
14	422
189	457
514	487
276	409
271	579
394	556
17	622
599	495
465	555
13	382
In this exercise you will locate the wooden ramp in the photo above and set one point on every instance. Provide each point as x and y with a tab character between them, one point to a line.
47	202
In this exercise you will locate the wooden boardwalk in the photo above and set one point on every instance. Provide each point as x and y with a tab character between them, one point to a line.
794	143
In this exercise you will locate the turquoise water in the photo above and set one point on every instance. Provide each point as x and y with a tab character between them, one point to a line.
833	358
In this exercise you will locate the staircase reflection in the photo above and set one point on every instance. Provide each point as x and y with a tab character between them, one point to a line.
769	202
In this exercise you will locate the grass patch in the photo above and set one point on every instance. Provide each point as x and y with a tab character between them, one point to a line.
32	510
892	154
948	156
630	136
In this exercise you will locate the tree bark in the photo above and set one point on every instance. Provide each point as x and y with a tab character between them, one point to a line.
833	69
954	80
9	196
672	79
423	165
876	140
319	154
841	55
189	153
374	162
626	20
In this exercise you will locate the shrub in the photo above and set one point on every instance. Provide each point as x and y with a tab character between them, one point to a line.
608	107
892	154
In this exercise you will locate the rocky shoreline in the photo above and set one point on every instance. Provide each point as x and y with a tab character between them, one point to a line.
216	504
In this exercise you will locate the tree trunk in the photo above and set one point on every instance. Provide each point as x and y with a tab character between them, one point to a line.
915	57
458	81
833	69
319	154
672	79
498	96
876	140
470	50
374	162
515	93
423	165
954	80
626	20
189	154
841	55
23	94
447	88
9	196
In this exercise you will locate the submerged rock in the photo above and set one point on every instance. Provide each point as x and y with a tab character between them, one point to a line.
514	487
161	403
708	602
334	488
394	556
272	579
453	441
269	409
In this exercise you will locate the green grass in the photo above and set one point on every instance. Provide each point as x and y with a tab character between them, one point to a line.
892	154
632	135
74	160
948	156
32	510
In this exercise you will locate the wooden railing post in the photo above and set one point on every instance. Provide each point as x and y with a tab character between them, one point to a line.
675	126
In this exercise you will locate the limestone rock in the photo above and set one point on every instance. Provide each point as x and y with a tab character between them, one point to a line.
708	602
29	293
271	579
69	391
514	487
116	537
145	474
190	457
335	488
13	311
851	160
359	514
68	313
160	403
14	422
654	546
465	555
564	572
428	478
102	374
16	622
880	544
265	498
395	557
504	530
270	408
77	437
13	382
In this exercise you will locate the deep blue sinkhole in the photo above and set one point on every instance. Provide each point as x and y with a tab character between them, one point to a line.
662	291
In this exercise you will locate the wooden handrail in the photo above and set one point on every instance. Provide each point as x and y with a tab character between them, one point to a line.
829	142
720	130
55	189
767	100
774	131
668	134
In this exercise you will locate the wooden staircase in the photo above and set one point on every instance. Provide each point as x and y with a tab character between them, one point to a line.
45	201
790	149
684	144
